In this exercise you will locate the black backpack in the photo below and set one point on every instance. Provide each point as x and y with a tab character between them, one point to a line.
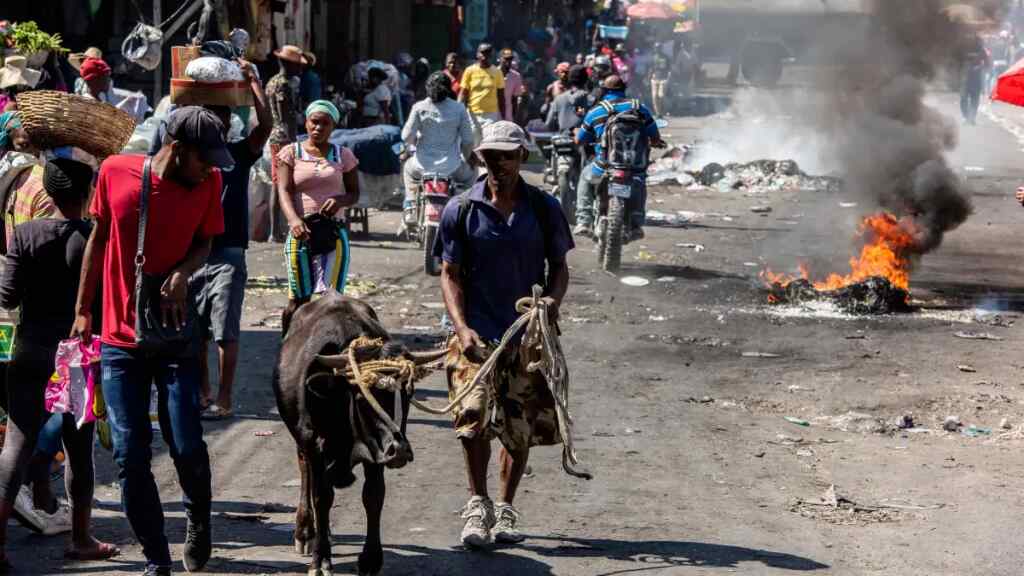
625	142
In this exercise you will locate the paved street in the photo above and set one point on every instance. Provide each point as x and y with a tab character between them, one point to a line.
680	393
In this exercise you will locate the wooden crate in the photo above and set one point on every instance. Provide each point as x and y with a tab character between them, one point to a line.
191	93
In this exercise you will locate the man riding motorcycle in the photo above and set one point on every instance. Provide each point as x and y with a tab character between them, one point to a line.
442	134
564	116
591	132
567	109
600	71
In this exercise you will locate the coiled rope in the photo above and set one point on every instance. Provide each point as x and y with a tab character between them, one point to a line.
402	373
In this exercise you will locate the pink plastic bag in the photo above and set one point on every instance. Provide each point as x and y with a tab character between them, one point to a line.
74	387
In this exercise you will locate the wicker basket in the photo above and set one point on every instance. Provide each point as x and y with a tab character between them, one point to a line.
54	119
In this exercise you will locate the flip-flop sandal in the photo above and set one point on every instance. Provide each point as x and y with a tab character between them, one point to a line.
215	412
103	552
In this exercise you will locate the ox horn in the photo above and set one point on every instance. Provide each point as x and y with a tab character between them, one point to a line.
337	361
420	358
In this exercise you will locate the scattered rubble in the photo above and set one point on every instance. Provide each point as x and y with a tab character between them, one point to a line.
860	423
977	336
696	247
761	355
951	424
966	368
906	422
973	431
666	220
635	281
835	509
994	319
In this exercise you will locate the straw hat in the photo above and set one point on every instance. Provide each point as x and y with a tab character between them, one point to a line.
15	72
291	53
77	58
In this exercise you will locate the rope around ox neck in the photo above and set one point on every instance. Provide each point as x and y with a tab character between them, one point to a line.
533	312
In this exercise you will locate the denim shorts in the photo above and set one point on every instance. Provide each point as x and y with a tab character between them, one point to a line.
219	289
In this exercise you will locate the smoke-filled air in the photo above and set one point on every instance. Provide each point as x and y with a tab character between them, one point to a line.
866	119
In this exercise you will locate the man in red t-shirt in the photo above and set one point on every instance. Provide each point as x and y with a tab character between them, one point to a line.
184	215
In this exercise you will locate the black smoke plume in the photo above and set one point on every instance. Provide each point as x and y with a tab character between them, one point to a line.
890	145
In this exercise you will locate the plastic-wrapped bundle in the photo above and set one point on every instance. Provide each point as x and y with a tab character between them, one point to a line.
210	69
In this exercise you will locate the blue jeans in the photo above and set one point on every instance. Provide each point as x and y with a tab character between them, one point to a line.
50	439
127	379
587	205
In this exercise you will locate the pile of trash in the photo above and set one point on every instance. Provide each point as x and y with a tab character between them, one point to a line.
758	177
670	168
761	177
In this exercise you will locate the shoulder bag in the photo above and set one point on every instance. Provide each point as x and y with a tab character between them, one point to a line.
151	335
323	231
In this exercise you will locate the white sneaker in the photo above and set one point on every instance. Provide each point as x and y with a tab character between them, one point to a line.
479	517
26	513
505	528
59	522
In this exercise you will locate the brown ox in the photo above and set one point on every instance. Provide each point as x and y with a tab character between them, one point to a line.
334	426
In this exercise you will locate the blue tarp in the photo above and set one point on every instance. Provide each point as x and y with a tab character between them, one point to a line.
373	148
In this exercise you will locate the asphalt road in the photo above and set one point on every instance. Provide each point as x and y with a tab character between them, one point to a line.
696	469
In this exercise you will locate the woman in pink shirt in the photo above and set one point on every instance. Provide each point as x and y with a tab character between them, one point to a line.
318	179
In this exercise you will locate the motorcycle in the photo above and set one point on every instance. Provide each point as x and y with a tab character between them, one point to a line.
422	219
565	165
617	188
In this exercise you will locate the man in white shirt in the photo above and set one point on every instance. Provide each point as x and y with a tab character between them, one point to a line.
442	132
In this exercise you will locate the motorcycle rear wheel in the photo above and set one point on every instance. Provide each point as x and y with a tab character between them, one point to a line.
613	236
431	264
567	196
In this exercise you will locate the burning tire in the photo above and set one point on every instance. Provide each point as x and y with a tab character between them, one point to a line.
879	278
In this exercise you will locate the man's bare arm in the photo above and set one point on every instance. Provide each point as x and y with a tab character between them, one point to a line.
454	301
258	136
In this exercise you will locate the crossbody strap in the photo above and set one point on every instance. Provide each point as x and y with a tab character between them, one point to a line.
140	258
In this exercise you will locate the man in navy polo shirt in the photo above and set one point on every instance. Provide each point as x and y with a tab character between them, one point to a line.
497	241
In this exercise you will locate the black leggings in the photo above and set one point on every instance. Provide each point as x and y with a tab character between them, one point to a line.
27	375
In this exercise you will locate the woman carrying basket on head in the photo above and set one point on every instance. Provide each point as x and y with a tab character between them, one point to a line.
317	180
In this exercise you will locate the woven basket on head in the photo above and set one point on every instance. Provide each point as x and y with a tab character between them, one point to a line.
54	119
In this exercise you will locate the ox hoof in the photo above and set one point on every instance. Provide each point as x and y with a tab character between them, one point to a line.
328	571
304	549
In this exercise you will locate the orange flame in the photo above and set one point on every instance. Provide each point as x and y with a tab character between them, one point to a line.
886	252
